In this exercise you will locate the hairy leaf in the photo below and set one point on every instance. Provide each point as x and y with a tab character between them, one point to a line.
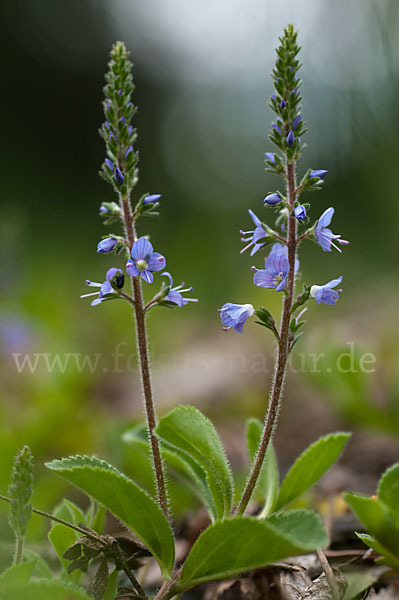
122	497
238	544
191	433
388	490
309	467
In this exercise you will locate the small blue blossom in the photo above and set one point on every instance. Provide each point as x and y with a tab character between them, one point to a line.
272	199
104	210
320	173
300	213
290	138
152	198
256	234
235	315
112	136
325	293
130	129
296	121
106	124
175	293
274	275
144	260
118	176
274	97
282	103
106	288
325	236
270	157
109	164
106	245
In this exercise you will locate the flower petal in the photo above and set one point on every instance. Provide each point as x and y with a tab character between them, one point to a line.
141	249
131	269
147	276
156	262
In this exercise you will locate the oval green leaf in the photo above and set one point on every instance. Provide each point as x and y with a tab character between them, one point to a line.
48	590
310	466
192	434
123	498
239	544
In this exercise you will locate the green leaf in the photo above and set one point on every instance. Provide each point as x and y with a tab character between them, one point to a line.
360	580
41	568
376	518
186	429
14	576
239	544
388	490
123	498
98	520
48	590
389	558
310	466
110	592
179	462
268	480
61	537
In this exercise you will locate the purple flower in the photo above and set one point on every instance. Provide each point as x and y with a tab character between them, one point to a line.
130	129
325	293
274	97
276	127
118	176
123	120
325	236
106	289
106	245
109	164
112	136
282	103
128	151
270	157
256	234
300	213
144	260
320	173
152	198
235	315
290	139
175	293
272	199
106	124
274	275
104	210
296	121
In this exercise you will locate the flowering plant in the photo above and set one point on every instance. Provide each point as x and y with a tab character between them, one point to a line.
185	440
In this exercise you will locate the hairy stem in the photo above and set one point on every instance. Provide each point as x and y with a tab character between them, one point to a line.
19	549
282	354
142	346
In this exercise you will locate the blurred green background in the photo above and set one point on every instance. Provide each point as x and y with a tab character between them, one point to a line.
202	83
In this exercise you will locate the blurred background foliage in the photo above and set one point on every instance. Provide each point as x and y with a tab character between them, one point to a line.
202	82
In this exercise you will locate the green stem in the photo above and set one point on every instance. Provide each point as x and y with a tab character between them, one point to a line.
19	549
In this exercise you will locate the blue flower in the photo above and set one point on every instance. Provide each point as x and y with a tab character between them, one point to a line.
325	236
300	213
118	176
296	121
272	199
270	157
274	275
282	103
256	234
144	260
109	164
276	127
175	293
320	173
152	198
325	293
235	315
104	209
106	245
290	138
106	290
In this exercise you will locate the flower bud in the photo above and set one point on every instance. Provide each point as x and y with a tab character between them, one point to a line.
270	157
296	121
300	213
119	176
290	139
152	198
272	199
106	245
320	173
